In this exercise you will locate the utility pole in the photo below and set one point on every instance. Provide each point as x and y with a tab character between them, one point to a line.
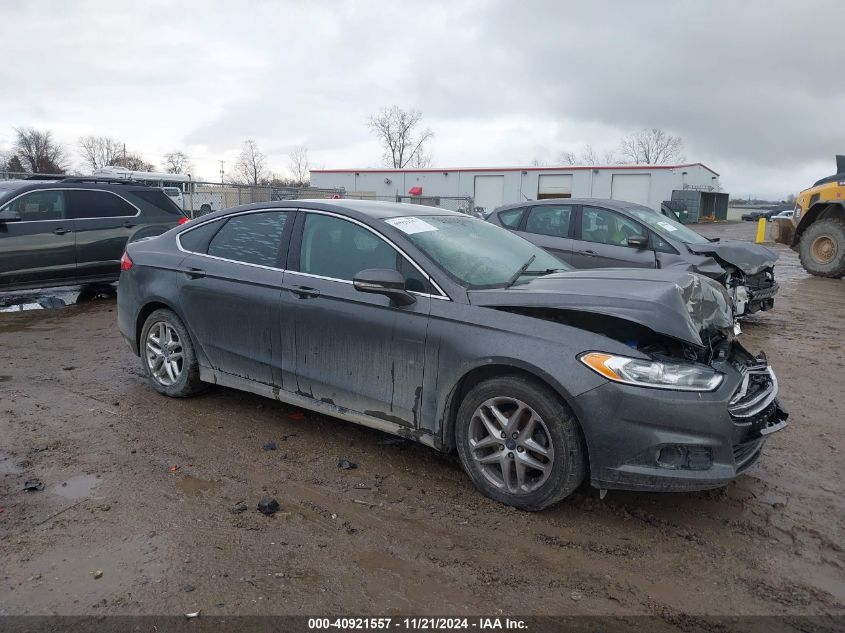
221	172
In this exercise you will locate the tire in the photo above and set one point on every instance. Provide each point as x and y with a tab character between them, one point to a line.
555	428
182	379
820	239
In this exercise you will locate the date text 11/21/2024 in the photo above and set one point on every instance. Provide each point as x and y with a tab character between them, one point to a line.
417	624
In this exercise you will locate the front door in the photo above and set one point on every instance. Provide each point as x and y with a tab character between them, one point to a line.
601	241
231	293
36	241
355	350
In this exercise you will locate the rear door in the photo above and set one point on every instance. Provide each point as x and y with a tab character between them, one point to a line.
601	241
39	247
548	226
104	222
356	350
231	291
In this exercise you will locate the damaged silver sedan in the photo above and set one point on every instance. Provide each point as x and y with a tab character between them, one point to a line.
594	233
448	330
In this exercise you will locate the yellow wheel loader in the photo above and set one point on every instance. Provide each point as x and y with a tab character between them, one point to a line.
819	222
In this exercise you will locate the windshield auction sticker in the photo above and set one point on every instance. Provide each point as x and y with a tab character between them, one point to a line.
411	225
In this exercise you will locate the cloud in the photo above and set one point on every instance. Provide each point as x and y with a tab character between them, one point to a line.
751	86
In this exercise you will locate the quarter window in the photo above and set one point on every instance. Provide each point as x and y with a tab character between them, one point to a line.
338	249
196	240
606	227
549	220
86	204
254	238
37	205
511	217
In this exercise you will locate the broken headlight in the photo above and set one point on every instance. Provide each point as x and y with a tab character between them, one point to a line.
649	373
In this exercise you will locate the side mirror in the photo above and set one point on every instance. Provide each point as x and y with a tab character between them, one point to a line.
384	281
638	241
9	217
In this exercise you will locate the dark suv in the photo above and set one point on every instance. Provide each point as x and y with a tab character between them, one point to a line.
74	230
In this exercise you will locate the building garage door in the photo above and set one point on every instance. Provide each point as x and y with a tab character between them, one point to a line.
489	191
554	186
630	187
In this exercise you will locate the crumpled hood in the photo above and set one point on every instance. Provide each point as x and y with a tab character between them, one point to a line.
748	257
678	304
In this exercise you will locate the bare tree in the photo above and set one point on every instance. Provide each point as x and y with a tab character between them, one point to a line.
38	152
588	156
403	142
299	165
177	163
133	161
651	146
100	151
251	165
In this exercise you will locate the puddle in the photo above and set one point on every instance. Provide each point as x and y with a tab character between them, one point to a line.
195	486
8	465
76	487
53	298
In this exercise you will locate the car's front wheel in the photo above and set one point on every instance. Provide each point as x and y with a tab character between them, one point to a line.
168	356
519	443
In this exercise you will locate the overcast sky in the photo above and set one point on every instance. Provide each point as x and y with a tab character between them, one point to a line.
754	88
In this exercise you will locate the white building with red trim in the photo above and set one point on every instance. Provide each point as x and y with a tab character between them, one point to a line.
491	187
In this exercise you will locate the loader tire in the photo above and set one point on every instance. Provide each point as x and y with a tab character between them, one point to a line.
822	248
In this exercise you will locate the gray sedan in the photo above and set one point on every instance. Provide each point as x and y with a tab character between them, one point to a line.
444	329
593	233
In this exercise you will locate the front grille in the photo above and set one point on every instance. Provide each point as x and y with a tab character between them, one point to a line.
760	281
755	394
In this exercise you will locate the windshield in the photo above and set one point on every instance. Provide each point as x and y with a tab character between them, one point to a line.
668	227
475	253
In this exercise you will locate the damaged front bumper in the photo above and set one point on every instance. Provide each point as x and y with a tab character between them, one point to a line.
753	293
649	439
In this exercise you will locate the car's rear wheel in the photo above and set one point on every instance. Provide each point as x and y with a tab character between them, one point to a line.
168	356
519	443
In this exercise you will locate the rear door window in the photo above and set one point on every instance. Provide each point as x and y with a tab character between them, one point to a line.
549	220
252	238
88	204
37	206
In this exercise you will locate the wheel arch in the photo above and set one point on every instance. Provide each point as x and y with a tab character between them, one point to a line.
821	210
493	369
158	303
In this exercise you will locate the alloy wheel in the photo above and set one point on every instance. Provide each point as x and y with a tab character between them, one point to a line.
511	444
164	353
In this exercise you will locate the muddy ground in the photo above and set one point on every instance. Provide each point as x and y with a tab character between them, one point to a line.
141	488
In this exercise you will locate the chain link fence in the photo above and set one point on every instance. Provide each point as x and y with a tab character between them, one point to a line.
460	204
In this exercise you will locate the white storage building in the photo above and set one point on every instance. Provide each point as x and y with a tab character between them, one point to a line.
646	184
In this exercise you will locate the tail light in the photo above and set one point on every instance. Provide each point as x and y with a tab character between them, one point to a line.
183	221
126	262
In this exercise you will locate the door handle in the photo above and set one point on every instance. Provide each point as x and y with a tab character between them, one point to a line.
304	292
128	224
61	231
587	253
194	273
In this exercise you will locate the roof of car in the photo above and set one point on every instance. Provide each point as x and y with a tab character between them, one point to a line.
16	187
375	209
617	205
